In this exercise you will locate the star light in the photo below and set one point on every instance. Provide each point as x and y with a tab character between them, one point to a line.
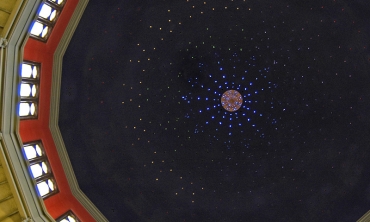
234	92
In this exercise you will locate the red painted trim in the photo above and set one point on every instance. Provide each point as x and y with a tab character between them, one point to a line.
31	130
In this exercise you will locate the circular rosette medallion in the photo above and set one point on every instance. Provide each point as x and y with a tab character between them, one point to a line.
231	100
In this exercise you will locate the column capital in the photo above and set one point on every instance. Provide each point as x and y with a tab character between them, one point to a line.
3	42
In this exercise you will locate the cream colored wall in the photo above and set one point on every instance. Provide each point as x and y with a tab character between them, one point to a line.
8	206
6	15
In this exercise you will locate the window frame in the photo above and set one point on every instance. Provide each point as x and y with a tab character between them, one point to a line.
65	215
28	99
40	159
46	22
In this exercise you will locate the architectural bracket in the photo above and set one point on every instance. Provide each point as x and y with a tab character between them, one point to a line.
3	42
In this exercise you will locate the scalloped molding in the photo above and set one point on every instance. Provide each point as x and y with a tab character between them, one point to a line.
54	113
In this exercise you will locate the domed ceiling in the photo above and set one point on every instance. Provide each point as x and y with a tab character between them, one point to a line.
149	139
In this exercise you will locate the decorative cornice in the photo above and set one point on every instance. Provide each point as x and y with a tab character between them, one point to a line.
3	43
54	113
29	203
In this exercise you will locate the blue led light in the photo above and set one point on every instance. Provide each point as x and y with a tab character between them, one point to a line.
235	81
